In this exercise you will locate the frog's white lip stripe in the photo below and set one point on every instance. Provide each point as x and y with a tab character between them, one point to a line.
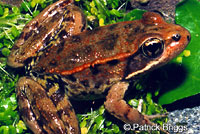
150	65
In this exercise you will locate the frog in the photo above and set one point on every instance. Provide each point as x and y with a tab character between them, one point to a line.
65	61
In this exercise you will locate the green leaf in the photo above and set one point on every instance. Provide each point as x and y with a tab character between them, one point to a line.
14	31
4	129
12	129
25	6
114	3
1	10
6	12
5	51
108	123
20	127
187	15
102	8
133	102
15	10
115	12
133	15
1	45
115	129
99	121
7	130
35	13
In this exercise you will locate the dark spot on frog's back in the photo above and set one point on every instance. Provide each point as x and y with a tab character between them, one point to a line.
27	35
76	38
137	29
109	42
87	49
63	34
112	27
47	39
155	29
15	47
22	53
53	63
128	26
58	95
67	11
69	19
22	35
66	110
35	24
25	112
54	9
56	17
133	32
60	47
42	30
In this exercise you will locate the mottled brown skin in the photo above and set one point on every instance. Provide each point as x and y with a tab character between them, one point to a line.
71	62
66	20
108	54
41	114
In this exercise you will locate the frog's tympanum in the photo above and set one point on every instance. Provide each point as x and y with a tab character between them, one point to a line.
65	61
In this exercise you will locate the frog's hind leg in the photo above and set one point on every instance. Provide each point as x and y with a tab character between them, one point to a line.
44	114
120	109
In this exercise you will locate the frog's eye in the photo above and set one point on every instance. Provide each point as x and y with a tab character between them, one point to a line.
176	37
153	47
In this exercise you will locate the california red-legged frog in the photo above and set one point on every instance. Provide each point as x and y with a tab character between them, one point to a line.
65	61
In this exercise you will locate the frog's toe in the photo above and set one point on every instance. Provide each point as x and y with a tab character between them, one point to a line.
156	116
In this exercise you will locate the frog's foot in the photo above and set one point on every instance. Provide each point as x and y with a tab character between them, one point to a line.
44	114
120	109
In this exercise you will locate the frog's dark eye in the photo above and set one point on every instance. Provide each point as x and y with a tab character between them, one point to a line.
176	37
153	47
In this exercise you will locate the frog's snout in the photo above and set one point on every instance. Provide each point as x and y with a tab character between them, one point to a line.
187	37
181	36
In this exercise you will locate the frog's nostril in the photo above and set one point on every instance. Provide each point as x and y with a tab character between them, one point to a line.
188	38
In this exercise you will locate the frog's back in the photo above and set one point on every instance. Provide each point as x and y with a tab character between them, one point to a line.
99	46
90	62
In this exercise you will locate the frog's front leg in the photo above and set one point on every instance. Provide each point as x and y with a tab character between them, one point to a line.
120	109
45	112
